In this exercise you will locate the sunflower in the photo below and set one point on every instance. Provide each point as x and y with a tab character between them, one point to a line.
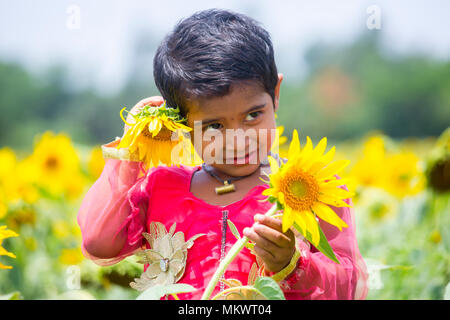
4	233
96	162
404	175
54	165
369	169
306	185
151	137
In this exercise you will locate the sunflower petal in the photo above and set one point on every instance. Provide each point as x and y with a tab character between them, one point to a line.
332	169
321	146
306	152
327	214
312	226
327	157
337	192
281	198
142	150
294	147
137	130
300	221
288	219
268	192
155	126
169	124
273	165
334	183
332	201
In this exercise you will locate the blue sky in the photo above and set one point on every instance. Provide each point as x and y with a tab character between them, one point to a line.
98	53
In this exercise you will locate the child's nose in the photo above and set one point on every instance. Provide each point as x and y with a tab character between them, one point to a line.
237	141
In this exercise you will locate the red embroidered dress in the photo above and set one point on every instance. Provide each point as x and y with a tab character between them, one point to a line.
126	198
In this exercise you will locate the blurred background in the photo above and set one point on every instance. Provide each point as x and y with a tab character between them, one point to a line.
374	78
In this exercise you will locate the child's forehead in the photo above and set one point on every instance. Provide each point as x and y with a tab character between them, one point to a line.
240	96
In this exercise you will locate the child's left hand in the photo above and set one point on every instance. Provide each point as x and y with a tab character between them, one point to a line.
273	246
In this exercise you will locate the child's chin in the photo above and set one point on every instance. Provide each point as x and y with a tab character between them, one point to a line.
239	170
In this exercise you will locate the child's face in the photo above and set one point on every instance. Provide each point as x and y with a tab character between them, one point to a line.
235	132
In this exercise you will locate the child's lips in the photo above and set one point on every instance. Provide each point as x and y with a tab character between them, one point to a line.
249	156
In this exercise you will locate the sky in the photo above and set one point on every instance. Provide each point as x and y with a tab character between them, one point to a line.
95	39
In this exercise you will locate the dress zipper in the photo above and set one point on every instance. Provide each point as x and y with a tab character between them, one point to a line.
224	241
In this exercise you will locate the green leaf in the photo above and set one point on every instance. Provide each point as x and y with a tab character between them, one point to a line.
279	206
233	229
12	296
158	291
323	245
269	288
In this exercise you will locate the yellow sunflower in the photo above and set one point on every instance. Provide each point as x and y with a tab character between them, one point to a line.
306	185
96	162
369	169
152	136
403	174
54	165
4	233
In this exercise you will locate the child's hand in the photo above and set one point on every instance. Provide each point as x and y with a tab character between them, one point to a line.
151	101
273	246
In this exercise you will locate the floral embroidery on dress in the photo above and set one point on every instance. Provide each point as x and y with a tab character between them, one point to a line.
166	258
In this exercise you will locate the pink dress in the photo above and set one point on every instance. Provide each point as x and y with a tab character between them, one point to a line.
125	199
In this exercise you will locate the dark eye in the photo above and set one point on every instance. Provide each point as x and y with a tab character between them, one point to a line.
214	126
252	115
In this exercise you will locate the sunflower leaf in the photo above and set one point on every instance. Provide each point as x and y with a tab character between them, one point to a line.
233	229
323	245
269	288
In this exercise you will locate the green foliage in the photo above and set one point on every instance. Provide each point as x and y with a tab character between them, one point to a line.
269	288
11	296
404	260
352	89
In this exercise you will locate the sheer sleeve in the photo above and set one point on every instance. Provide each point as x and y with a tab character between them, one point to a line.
111	216
317	277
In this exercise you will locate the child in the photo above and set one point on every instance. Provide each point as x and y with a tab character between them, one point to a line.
219	68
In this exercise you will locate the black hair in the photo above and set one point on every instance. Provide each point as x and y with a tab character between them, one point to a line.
208	52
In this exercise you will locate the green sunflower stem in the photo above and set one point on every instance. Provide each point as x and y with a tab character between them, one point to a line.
235	249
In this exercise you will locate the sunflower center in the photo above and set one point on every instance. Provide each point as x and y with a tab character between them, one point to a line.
300	190
163	135
51	162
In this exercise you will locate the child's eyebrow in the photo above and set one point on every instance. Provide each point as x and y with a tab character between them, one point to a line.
208	121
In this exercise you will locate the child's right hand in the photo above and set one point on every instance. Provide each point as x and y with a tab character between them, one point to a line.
151	101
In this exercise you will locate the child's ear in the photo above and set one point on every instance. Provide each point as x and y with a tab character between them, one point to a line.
277	91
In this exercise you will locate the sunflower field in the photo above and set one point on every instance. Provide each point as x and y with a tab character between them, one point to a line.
401	205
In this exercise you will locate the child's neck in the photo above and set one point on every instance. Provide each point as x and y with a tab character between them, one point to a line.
203	186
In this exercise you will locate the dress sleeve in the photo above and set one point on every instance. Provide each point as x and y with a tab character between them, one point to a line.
111	216
317	277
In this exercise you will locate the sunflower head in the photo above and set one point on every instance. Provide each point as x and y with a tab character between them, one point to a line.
305	186
155	134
